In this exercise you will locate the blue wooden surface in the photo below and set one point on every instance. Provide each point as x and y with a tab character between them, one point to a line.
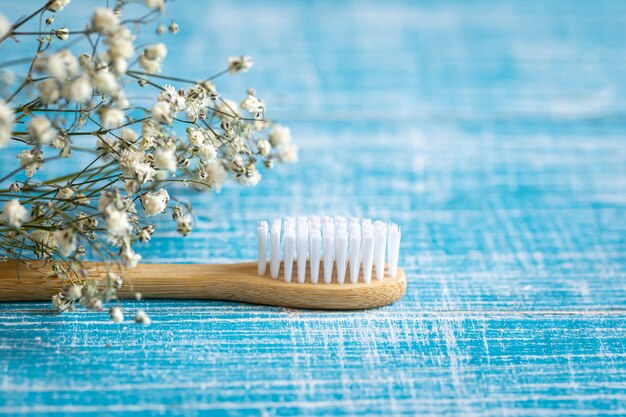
492	131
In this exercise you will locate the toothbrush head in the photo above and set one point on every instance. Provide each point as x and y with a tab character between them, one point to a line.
333	254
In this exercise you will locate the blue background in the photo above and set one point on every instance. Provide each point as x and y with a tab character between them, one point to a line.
493	132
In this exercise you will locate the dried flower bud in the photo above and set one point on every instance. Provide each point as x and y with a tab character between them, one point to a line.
15	187
173	28
62	33
50	20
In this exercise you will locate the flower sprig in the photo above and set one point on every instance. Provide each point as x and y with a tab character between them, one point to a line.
72	105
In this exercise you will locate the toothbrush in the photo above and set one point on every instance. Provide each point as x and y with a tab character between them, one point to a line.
339	265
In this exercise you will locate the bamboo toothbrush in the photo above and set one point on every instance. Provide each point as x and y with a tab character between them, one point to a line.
343	254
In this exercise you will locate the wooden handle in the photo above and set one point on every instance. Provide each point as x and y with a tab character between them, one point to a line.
232	282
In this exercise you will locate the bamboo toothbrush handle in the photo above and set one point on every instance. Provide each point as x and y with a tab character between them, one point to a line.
231	282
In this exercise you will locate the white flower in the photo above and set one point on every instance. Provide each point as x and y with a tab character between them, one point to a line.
117	222
116	314
7	120
150	66
45	239
105	83
165	159
280	136
143	173
155	203
66	239
155	52
58	5
128	135
207	151
239	63
195	136
162	112
120	43
5	25
156	4
62	65
227	109
173	97
31	161
264	147
65	193
289	153
104	20
128	258
252	104
78	90
249	178
142	318
49	91
40	130
214	174
14	214
111	118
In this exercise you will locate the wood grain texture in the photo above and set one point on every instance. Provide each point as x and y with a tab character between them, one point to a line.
227	282
493	132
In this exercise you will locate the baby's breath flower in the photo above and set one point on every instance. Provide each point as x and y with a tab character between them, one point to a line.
165	159
7	120
66	239
228	110
142	318
40	130
58	5
84	95
73	292
78	90
104	82
64	193
280	136
49	91
14	214
128	258
156	4
111	117
239	63
289	153
252	104
116	314
31	161
62	65
162	112
155	203
104	20
264	147
214	174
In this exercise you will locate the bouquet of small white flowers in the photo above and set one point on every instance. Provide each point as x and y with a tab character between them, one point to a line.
70	104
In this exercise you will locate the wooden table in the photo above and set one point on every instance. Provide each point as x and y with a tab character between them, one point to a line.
493	132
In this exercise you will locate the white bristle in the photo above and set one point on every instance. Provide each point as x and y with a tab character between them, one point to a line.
315	245
393	248
341	253
355	252
339	242
329	251
302	236
289	241
367	254
275	248
263	232
380	244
